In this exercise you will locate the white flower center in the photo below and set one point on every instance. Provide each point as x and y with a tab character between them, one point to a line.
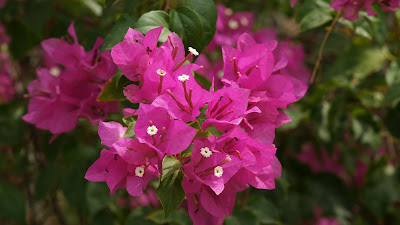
229	12
193	51
244	21
183	77
139	171
220	74
152	130
218	171
55	71
205	152
161	72
233	24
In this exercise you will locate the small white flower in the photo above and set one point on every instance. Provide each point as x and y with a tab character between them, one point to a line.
244	21
193	51
233	24
206	152
139	171
229	12
55	71
218	171
183	77
228	158
152	130
161	72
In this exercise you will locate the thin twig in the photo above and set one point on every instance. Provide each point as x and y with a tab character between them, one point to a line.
321	48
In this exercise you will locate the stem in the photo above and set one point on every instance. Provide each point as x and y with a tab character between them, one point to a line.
166	5
321	48
56	209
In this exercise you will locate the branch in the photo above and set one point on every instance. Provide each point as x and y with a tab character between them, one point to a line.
321	48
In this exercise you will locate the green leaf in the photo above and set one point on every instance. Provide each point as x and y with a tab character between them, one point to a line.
313	13
171	193
10	117
178	217
169	166
187	24
118	31
130	132
130	119
208	13
12	202
392	121
47	181
139	216
393	73
97	196
264	210
315	18
154	19
113	89
392	95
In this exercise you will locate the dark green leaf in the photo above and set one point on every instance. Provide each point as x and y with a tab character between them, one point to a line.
170	165
97	196
392	121
12	202
187	24
10	117
393	94
171	193
113	89
393	73
47	181
118	31
207	11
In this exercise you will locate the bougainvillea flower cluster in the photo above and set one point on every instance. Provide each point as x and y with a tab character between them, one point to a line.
351	8
223	138
291	56
69	88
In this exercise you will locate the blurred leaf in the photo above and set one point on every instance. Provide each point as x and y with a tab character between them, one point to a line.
36	14
170	165
264	210
178	217
315	18
154	19
187	24
10	117
393	73
12	202
104	217
97	196
47	180
94	6
118	31
171	193
393	94
241	217
356	63
113	89
139	216
381	191
313	13
392	121
22	39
